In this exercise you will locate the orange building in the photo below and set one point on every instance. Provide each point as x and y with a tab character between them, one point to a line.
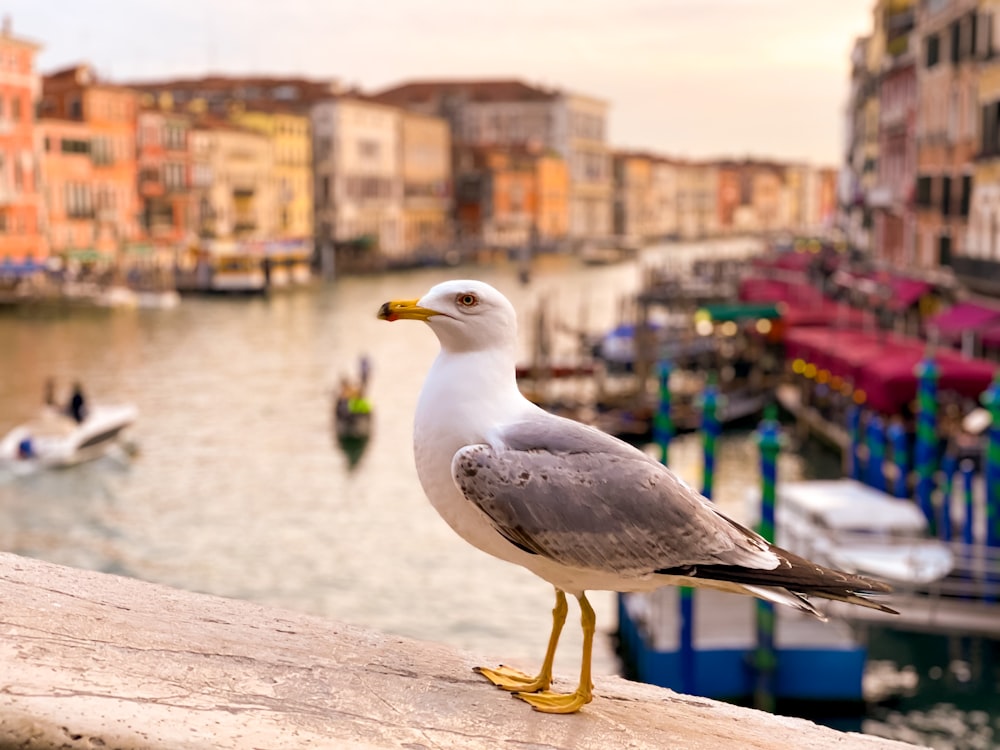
20	201
68	176
109	113
511	196
164	164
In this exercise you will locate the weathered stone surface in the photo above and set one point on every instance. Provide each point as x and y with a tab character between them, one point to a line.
89	660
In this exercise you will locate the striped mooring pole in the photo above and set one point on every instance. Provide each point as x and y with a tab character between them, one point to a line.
663	423
991	400
925	450
710	428
764	657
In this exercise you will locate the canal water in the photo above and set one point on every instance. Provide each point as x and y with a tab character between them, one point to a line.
237	486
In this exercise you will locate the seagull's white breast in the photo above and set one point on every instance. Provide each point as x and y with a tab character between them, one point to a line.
465	398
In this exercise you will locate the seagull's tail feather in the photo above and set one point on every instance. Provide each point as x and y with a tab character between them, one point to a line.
791	580
787	598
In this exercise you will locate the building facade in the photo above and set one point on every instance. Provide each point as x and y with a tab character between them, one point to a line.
21	237
110	113
291	148
67	173
634	204
163	156
978	266
356	168
237	203
425	156
949	45
514	114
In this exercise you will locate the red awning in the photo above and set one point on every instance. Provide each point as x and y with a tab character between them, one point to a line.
964	316
906	292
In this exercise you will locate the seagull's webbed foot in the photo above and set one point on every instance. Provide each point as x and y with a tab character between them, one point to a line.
514	679
518	682
558	703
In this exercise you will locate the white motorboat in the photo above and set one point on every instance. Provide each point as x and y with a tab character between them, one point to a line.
54	440
847	525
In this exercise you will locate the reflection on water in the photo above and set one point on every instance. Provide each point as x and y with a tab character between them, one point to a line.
240	488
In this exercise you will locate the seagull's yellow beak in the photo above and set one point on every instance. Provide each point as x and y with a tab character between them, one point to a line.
404	309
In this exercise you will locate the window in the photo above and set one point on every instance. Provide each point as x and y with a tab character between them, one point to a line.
74	146
932	51
924	186
946	196
966	197
956	42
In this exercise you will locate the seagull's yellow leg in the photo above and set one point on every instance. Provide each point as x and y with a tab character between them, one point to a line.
568	703
515	680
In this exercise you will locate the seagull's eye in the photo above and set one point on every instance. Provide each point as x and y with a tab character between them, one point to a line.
467	299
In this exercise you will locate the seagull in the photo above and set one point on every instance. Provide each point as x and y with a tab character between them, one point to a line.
577	507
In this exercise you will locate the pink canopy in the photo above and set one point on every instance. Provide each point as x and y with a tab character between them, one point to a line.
962	317
883	365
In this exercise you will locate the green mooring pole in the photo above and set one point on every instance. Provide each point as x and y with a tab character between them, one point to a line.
764	656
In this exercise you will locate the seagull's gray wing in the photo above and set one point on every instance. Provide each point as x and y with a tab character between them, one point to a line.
574	494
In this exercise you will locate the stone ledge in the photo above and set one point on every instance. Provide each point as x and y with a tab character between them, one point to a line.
89	660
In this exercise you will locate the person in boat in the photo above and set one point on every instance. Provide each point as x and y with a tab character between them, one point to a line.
77	408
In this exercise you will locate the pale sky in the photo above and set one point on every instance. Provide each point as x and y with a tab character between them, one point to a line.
689	78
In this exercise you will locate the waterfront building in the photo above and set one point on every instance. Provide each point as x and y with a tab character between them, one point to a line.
109	199
754	197
950	41
163	154
233	183
664	198
21	239
978	266
513	113
425	152
892	197
552	191
358	184
67	173
860	173
291	148
508	197
697	200
634	205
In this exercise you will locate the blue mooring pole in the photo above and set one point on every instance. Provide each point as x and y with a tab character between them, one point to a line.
925	452
764	657
991	400
949	466
875	437
854	433
900	458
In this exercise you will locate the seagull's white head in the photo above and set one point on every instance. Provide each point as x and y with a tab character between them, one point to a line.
465	315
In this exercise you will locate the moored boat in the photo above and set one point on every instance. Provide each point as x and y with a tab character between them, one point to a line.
54	440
